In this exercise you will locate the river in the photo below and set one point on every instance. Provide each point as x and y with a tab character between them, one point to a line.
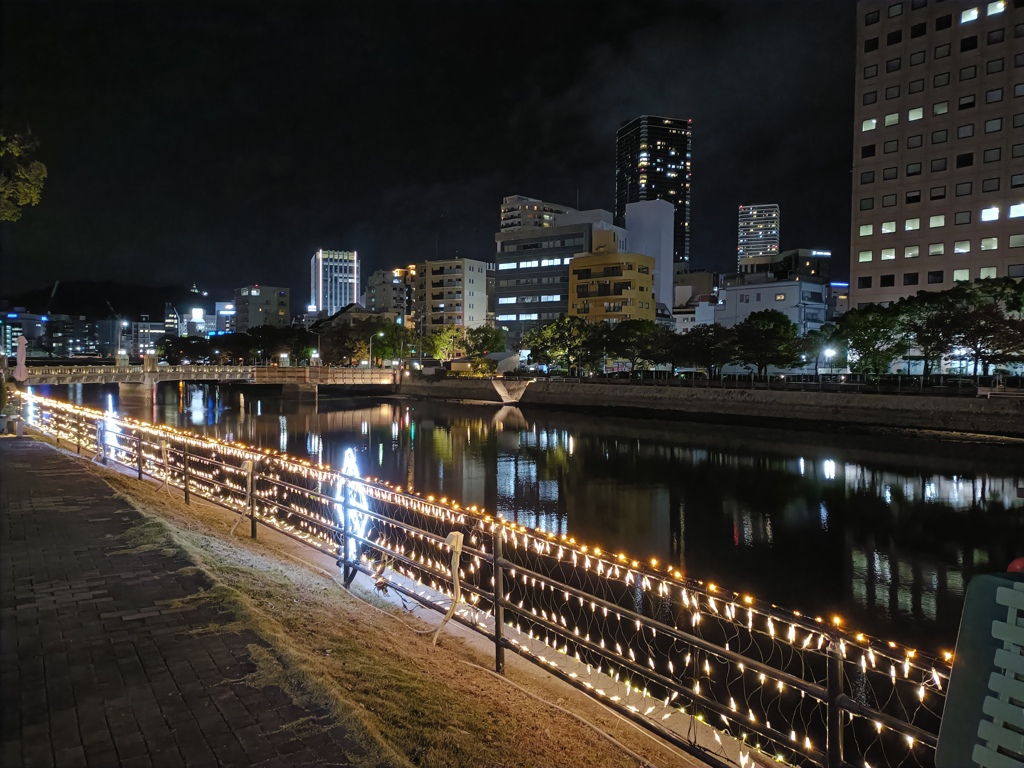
882	529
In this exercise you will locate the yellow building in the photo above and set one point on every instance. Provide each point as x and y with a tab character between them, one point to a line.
607	285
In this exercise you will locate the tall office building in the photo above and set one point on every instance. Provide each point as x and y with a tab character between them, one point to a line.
334	280
258	305
758	232
652	162
938	182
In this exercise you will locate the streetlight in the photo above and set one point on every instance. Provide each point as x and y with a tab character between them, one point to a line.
829	354
379	334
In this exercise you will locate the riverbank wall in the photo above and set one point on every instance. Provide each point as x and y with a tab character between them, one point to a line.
1003	416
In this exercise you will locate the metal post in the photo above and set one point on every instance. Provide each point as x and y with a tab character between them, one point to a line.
78	436
101	440
138	452
834	715
348	573
251	499
186	475
499	596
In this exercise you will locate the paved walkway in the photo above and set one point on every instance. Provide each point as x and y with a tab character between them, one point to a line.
100	665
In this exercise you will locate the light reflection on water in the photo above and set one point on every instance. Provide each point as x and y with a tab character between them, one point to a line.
884	531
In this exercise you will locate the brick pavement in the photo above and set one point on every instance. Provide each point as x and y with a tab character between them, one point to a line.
101	665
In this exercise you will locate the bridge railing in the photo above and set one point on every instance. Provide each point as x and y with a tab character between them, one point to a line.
662	649
114	370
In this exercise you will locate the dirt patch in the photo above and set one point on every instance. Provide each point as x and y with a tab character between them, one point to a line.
406	701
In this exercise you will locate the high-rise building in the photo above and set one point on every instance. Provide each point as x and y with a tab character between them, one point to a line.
450	292
758	232
257	305
390	290
652	162
938	174
334	280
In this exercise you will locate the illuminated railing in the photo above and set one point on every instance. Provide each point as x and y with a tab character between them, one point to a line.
661	649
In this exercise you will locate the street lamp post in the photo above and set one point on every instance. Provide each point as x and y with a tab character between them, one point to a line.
829	354
379	334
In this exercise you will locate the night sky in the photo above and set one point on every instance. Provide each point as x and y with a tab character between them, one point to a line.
223	143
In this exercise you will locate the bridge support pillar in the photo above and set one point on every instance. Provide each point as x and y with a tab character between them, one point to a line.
136	396
303	391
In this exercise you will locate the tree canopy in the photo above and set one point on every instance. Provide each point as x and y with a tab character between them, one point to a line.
21	177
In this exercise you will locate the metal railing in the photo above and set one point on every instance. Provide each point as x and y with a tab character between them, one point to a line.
663	650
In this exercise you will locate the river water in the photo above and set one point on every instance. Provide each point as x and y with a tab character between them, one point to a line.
882	529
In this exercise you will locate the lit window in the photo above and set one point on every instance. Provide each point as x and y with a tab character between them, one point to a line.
911	224
507	266
507	300
1016	212
911	252
554	297
988	273
864	256
937	221
529	263
780	297
869	124
990	214
892	119
938	108
997	7
506	317
1017	241
962	246
916	113
888	254
936	249
969	15
989	243
961	275
888	227
532	316
869	229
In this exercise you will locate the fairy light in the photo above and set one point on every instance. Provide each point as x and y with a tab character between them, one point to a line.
285	499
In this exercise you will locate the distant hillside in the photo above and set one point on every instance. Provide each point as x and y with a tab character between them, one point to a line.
98	300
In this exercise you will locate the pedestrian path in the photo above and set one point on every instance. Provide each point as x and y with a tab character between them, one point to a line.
108	657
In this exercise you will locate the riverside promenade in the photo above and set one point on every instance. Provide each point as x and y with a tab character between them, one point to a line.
111	653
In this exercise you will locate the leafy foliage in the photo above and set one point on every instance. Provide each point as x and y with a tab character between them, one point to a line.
21	177
767	338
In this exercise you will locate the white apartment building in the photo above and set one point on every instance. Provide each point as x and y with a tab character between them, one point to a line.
450	292
334	280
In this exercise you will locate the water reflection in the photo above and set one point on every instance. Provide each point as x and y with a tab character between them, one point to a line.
884	531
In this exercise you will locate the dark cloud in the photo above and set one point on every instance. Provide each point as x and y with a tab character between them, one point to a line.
224	142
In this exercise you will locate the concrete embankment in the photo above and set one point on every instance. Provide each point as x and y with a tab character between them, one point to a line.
994	416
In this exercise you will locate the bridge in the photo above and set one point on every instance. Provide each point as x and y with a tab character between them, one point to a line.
139	381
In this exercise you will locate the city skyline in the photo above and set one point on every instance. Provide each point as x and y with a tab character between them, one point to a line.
223	149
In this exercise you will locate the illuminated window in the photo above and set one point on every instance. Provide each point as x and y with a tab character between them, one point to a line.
864	256
507	300
990	214
911	224
961	275
911	252
507	266
916	113
940	107
780	297
553	297
989	243
936	249
962	246
988	273
506	317
1016	211
869	124
969	15
892	119
997	7
888	227
888	254
529	263
939	220
869	229
1017	241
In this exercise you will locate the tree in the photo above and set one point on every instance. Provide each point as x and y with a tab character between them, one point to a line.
927	322
484	339
873	337
768	338
447	342
709	347
21	177
817	343
634	340
571	341
980	323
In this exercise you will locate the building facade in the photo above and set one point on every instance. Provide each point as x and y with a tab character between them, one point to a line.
520	212
938	182
257	305
532	269
803	302
450	292
652	162
759	227
334	280
390	290
607	285
650	226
